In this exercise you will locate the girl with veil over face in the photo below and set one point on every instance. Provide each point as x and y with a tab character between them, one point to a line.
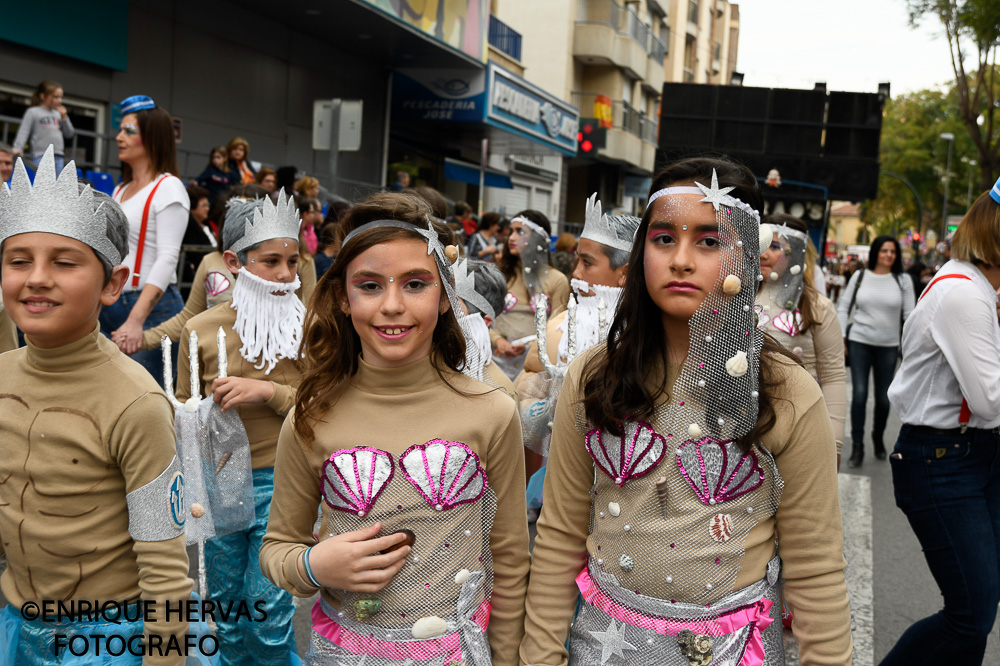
525	264
681	448
801	319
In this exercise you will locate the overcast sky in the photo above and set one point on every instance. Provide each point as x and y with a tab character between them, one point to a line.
852	45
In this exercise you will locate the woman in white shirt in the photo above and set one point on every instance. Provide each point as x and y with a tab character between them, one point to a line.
156	204
945	465
872	311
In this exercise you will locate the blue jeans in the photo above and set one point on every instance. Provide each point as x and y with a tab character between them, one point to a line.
949	488
880	361
60	161
233	572
113	316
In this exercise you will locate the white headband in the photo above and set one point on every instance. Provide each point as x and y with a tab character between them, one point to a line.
534	226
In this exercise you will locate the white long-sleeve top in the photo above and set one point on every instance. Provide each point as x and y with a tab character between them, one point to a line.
951	350
875	317
168	219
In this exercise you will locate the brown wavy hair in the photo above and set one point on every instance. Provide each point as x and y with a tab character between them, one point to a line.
156	130
621	384
330	345
809	293
510	264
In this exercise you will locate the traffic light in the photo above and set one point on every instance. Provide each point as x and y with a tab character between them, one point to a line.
591	136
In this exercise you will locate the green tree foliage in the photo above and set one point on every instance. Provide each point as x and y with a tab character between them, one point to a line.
912	148
972	28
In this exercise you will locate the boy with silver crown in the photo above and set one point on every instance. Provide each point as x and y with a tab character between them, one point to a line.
604	249
263	325
92	503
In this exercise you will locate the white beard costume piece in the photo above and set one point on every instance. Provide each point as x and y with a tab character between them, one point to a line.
269	318
588	316
477	344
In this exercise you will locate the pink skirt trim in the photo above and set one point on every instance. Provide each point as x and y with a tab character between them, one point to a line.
756	614
355	643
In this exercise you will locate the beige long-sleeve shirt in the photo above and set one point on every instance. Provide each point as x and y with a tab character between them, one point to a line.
83	426
821	350
519	320
262	421
807	523
392	410
212	285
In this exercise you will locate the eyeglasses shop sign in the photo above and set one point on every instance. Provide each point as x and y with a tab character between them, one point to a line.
516	104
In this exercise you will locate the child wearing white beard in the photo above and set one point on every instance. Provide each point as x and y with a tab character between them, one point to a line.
263	323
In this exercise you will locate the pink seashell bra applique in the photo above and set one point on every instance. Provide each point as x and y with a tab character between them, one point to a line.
788	322
446	474
216	283
715	474
635	454
354	478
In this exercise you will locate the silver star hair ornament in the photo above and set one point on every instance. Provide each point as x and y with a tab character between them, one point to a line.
54	205
597	227
612	642
714	195
272	220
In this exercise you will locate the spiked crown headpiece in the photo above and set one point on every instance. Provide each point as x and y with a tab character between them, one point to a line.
272	220
54	205
465	287
597	227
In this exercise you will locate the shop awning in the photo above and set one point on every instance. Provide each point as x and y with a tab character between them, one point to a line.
467	172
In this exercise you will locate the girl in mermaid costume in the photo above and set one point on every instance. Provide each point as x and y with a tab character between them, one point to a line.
682	451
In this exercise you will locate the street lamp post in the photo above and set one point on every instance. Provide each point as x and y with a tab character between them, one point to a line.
950	138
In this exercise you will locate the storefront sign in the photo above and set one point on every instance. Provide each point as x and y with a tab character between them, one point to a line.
439	95
460	25
515	104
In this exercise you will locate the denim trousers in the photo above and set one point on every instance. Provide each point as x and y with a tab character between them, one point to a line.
949	488
113	316
881	362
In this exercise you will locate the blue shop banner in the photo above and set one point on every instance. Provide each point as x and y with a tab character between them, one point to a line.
421	95
518	106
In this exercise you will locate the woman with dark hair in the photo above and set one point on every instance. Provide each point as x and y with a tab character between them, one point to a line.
672	450
945	471
483	244
872	310
525	264
157	206
801	319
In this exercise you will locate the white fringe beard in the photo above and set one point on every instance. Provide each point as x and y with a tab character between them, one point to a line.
478	350
586	315
269	319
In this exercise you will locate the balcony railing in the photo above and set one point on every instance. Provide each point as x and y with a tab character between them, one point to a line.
688	75
624	20
693	11
504	38
624	116
657	48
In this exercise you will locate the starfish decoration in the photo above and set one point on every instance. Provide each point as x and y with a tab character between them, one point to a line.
433	242
612	642
714	195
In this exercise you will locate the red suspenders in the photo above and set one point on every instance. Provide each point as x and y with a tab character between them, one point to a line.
964	413
142	230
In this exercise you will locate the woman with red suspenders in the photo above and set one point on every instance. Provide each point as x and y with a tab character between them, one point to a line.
946	463
156	204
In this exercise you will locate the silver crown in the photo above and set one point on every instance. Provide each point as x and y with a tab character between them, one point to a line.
54	205
465	287
270	221
597	227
